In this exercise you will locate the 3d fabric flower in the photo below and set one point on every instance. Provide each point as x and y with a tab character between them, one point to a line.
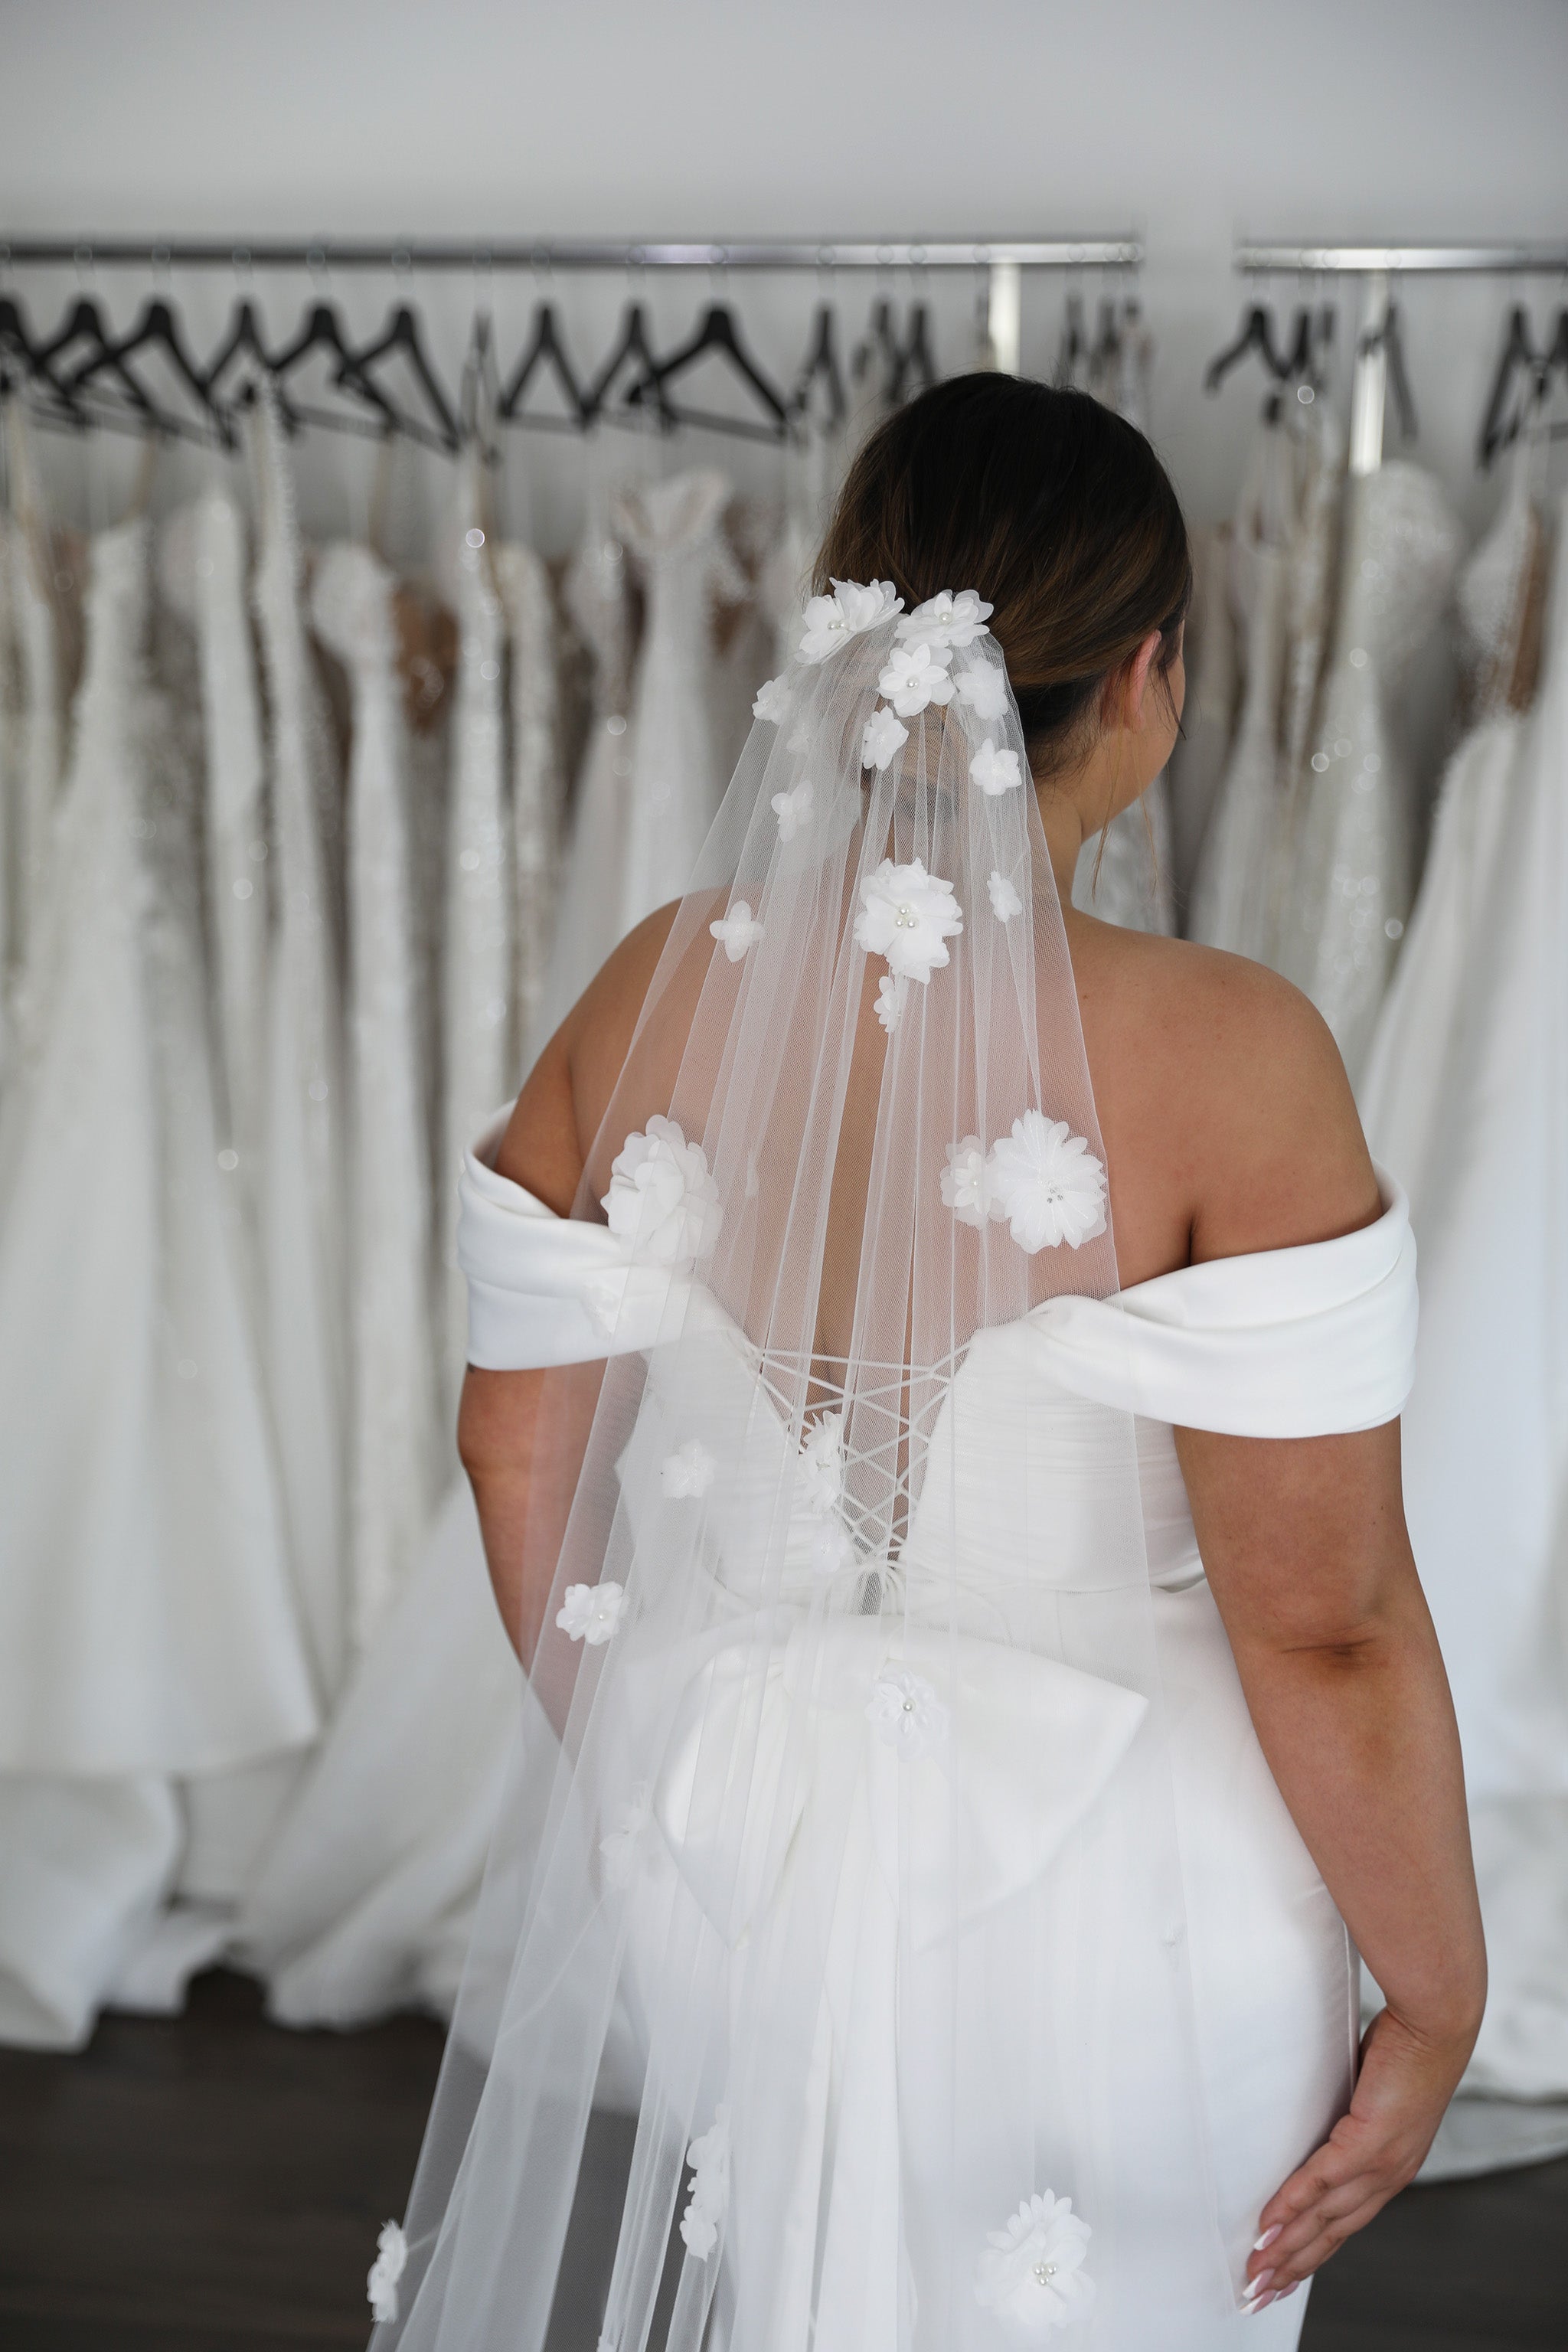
773	701
994	771
592	1611
822	1465
1032	2271
688	1471
381	2283
904	1710
948	619
891	990
915	674
1047	1184
905	914
965	1181
663	1204
982	688
737	931
792	809
709	2160
832	621
1005	900
882	737
621	1847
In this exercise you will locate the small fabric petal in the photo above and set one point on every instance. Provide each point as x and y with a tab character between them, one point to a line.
994	771
1005	900
883	736
792	809
891	990
982	688
773	701
905	913
1032	2271
1048	1185
906	1712
831	1548
381	2284
832	621
915	676
689	1470
822	1465
592	1611
737	931
621	1847
947	619
663	1203
709	2160
966	1184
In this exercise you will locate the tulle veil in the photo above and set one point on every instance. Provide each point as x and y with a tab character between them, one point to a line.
839	1729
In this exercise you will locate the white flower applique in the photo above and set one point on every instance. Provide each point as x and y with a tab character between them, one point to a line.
905	914
709	2160
982	688
965	1181
621	1847
904	1710
822	1465
689	1471
1032	2271
737	931
994	771
771	702
832	621
882	736
592	1611
381	2283
792	809
1005	900
1048	1185
948	619
663	1204
915	674
891	990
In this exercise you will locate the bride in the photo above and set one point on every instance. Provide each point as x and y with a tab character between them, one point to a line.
935	1363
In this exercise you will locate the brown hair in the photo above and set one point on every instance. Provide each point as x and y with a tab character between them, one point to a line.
1054	508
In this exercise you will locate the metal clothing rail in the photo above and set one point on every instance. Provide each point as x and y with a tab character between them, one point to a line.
1379	265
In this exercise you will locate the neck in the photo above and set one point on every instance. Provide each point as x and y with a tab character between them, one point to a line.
1064	837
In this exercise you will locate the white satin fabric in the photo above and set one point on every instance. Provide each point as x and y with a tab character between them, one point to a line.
1286	1343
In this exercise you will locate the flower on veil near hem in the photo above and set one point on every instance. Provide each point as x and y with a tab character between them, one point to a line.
905	914
381	2282
965	1182
982	688
773	701
891	990
737	931
689	1471
916	674
994	771
709	2160
1005	900
882	737
621	1847
1047	1183
663	1204
948	619
831	1548
592	1611
832	621
1032	2271
822	1465
904	1710
792	809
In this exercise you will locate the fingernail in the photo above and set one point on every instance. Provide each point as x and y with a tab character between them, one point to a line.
1261	2304
1256	2285
1294	2289
1268	2238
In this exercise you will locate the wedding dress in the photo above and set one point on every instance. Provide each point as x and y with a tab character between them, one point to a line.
1351	838
885	1763
1125	874
41	708
1198	761
392	1404
148	1623
1468	1086
524	583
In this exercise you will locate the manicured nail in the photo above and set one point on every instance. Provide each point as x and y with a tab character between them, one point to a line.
1294	2289
1268	2238
1261	2304
1256	2285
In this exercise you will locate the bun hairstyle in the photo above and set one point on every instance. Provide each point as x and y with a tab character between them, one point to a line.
1054	508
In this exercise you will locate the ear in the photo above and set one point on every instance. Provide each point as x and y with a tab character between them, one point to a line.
1135	693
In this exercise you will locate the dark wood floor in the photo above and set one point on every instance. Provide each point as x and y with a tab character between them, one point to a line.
215	2184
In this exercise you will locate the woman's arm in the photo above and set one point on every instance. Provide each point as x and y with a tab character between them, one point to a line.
1305	1546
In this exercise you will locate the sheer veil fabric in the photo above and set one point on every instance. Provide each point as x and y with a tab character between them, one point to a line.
850	1784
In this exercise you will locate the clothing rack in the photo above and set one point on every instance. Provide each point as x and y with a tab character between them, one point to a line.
1003	260
1378	266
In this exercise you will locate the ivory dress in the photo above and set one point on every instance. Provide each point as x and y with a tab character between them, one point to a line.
1291	1342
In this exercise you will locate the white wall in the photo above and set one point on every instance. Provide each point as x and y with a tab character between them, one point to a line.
1372	118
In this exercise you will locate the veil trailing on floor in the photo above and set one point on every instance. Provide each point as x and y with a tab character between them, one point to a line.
843	1784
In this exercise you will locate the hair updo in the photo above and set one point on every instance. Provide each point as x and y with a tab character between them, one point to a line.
1054	508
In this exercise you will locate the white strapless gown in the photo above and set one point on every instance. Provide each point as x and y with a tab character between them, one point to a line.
1291	1342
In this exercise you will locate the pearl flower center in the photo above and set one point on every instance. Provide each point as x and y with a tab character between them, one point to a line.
904	917
1044	2273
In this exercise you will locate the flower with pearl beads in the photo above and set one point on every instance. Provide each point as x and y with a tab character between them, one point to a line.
905	913
1032	2271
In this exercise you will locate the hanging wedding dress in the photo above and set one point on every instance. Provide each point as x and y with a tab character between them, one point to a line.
390	1399
1208	718
1124	873
1468	1085
299	1197
148	1626
524	583
888	1763
1352	827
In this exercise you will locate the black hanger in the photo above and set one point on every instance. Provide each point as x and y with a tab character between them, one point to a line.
1518	351
401	336
1073	344
84	323
322	331
717	333
545	349
1257	334
243	341
916	367
157	329
1388	338
881	344
821	366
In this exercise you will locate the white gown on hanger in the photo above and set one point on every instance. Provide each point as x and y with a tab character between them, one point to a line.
40	706
1198	761
1350	841
391	1405
148	1624
1486	1432
524	583
1291	1342
1132	886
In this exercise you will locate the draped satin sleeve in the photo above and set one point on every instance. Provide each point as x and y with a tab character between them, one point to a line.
1303	1342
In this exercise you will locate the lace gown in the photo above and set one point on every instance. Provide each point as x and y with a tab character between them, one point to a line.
524	583
148	1623
1296	1341
1351	852
1198	761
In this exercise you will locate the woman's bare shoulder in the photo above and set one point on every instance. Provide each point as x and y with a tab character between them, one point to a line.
1226	1079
